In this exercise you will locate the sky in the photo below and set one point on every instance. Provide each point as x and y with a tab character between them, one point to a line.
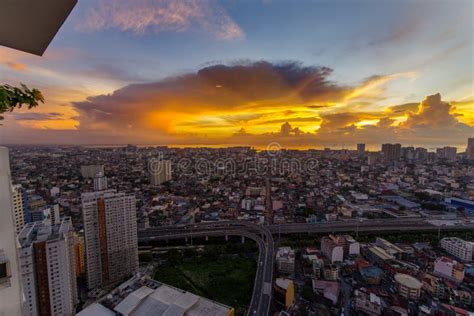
303	74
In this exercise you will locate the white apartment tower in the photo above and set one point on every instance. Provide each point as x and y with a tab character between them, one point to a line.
18	207
110	233
159	170
458	247
48	268
10	288
100	182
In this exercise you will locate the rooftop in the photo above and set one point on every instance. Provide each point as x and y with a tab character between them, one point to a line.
143	296
41	231
408	281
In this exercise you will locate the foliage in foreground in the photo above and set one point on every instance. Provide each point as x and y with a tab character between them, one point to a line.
14	97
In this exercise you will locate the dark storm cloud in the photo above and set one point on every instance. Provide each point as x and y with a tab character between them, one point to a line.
244	85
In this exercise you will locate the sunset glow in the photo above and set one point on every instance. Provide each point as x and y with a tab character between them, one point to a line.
220	73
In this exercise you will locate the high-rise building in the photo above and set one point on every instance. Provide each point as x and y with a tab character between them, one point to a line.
408	153
100	182
448	153
18	207
421	153
10	289
391	152
360	149
159	171
458	247
470	149
48	268
110	233
89	171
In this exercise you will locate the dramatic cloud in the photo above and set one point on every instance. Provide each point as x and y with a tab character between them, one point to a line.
403	108
288	130
432	123
433	113
247	103
251	102
220	94
142	16
36	116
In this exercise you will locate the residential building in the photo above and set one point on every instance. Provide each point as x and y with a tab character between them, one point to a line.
284	292
10	289
470	149
434	285
421	153
391	152
408	287
100	182
159	171
285	259
318	265
338	247
448	153
48	268
361	149
331	249
331	272
458	247
328	289
449	268
18	207
110	233
367	303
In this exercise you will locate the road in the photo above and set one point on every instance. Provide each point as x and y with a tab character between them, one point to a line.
262	235
262	292
389	225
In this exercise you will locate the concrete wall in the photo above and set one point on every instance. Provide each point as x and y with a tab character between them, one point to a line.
10	295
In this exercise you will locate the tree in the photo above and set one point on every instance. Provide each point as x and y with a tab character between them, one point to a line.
14	97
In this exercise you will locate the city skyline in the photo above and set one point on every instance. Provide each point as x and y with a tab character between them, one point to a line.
211	73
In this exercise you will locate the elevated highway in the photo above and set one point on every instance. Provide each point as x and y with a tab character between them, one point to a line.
262	291
262	235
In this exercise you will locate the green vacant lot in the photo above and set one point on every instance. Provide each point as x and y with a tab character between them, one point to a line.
227	279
